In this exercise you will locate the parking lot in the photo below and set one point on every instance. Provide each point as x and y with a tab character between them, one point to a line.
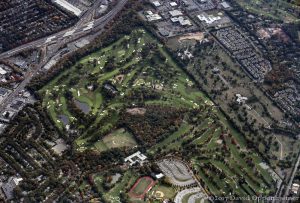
241	48
177	172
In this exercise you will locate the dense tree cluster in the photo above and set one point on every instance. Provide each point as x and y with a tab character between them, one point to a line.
141	94
151	127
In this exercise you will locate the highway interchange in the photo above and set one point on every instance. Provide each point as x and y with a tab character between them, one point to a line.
86	28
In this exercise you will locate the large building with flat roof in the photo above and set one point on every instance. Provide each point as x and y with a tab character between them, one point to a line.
156	3
137	157
176	13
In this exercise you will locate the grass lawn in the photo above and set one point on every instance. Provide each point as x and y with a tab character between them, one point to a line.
201	127
98	180
113	194
119	138
205	136
163	192
207	181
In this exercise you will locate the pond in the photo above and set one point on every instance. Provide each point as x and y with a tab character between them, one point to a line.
64	119
84	107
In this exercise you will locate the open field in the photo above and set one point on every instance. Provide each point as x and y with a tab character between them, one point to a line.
161	192
117	139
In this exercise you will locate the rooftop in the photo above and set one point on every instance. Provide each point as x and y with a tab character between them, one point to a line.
137	157
153	17
2	71
181	20
173	3
156	3
175	13
225	5
208	19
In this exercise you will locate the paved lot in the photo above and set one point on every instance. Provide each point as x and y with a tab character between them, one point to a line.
177	172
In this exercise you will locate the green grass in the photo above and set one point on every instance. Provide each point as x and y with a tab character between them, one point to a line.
98	181
167	191
213	141
117	139
178	91
207	182
205	136
185	127
128	180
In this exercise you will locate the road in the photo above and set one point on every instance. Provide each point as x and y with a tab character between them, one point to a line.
279	193
78	27
61	40
287	189
198	182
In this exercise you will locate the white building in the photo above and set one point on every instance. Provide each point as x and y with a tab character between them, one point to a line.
159	176
137	157
241	99
149	12
152	16
208	19
2	71
173	4
156	3
181	20
295	188
225	5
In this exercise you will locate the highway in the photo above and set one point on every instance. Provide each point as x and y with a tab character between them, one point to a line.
61	39
283	192
78	27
